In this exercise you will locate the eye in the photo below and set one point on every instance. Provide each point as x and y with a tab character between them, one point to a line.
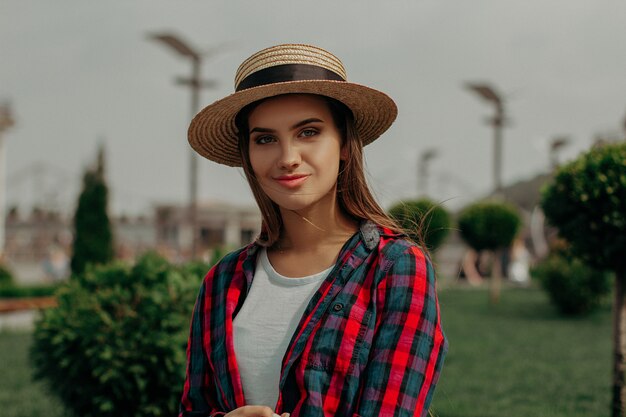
263	139
308	132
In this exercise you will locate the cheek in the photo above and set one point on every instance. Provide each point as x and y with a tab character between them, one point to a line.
256	162
330	156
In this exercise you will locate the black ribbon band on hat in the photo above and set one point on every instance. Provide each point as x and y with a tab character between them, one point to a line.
287	72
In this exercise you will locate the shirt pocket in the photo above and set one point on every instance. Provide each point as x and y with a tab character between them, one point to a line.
335	346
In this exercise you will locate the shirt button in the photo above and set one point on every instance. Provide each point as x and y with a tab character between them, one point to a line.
338	307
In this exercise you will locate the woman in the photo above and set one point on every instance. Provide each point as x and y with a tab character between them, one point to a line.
331	311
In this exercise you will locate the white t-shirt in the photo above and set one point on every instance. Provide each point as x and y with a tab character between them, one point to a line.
264	326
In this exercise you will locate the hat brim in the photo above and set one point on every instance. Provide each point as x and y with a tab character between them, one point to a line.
213	134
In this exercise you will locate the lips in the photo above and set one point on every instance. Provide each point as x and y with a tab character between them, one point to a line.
291	181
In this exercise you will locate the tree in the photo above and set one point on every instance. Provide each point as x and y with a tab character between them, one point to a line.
586	202
93	240
491	226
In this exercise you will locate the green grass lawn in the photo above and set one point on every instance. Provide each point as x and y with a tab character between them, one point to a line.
519	358
19	395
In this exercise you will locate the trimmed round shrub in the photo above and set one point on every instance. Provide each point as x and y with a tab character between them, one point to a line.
489	225
587	203
574	287
423	219
115	345
6	278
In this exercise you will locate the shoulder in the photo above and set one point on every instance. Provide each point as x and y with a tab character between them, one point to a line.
405	272
232	262
396	248
399	262
228	273
232	257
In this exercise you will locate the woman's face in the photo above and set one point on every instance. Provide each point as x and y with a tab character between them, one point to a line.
295	149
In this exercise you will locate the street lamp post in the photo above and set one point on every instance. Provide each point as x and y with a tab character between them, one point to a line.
488	93
195	83
6	121
422	180
624	126
555	146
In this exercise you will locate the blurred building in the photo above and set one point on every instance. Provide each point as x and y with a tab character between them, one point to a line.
220	225
133	236
39	245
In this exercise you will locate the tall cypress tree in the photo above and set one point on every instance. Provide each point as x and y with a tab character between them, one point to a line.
93	240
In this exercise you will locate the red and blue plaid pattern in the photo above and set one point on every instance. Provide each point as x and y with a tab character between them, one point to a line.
370	342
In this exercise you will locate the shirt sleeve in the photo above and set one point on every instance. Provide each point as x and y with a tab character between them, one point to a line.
409	346
199	392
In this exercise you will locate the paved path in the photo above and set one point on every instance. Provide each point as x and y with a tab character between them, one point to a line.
20	313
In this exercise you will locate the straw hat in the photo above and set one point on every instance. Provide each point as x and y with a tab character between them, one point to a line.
287	69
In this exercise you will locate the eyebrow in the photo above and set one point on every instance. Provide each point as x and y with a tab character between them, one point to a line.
297	125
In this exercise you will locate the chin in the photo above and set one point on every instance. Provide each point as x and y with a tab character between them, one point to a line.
302	201
296	204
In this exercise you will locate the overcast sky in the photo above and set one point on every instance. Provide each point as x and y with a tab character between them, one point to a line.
79	73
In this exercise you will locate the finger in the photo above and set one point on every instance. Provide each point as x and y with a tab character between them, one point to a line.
285	415
258	411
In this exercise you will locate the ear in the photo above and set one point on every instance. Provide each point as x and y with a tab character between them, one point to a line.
343	153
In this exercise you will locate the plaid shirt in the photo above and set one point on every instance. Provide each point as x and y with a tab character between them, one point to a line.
368	344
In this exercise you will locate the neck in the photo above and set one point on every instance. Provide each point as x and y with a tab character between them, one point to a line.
315	228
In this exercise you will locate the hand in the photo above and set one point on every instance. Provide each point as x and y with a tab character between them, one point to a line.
254	411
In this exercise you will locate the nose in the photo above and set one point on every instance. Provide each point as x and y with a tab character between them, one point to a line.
289	156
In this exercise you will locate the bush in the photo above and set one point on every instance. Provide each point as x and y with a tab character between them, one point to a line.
489	225
6	278
425	216
573	287
115	345
14	291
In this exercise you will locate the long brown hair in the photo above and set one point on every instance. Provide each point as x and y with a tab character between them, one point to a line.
353	194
